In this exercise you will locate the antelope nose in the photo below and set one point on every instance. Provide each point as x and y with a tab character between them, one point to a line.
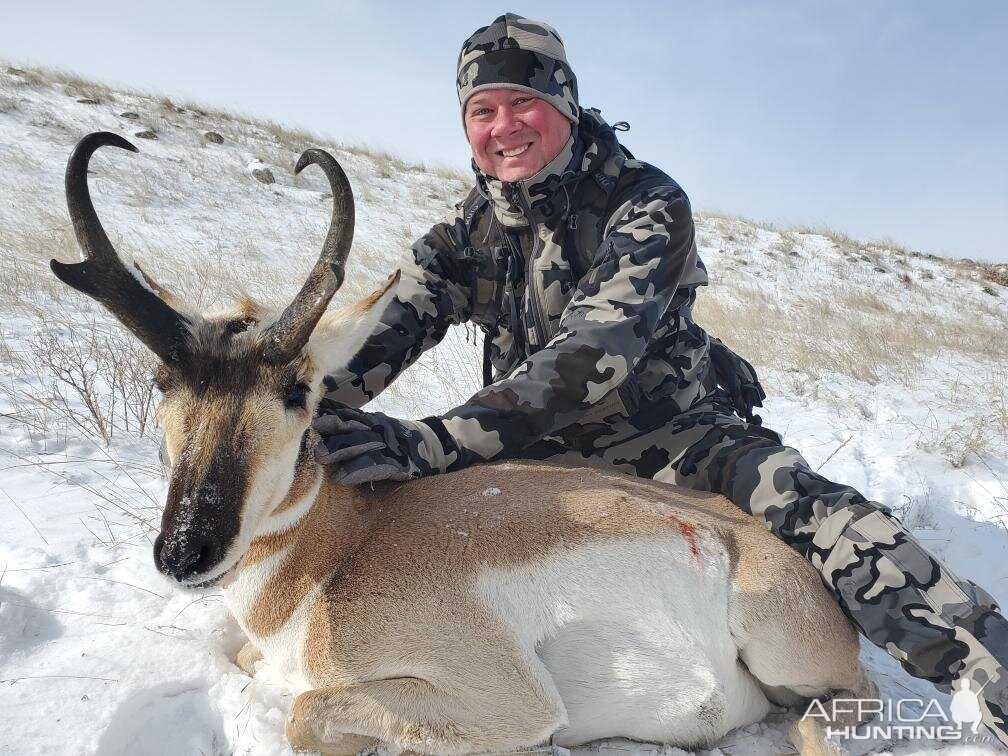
180	556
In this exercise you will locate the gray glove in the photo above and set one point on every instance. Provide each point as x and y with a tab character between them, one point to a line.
739	379
364	447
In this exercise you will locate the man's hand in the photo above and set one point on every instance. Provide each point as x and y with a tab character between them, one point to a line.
739	379
364	447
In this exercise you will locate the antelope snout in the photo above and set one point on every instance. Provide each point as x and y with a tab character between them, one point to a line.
183	555
201	520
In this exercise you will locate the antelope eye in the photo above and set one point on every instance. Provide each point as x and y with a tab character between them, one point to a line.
163	379
296	395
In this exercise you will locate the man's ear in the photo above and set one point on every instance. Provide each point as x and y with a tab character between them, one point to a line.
340	334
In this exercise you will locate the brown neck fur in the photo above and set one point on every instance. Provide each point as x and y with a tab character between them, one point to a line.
326	537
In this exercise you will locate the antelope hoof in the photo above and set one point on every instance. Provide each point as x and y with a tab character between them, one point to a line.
302	736
809	739
246	659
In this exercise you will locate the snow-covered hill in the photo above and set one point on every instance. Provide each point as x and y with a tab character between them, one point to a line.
888	368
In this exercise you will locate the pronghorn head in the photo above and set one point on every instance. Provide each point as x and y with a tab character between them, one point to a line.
239	390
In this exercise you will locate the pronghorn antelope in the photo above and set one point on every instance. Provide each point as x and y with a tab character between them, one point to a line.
491	609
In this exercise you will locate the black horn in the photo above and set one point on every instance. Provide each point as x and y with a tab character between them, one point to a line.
127	294
286	337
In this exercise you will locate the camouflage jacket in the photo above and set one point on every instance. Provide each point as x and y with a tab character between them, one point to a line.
582	279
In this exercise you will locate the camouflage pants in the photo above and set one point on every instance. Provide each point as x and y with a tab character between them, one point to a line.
940	626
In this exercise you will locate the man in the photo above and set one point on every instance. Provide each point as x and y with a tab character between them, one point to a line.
581	267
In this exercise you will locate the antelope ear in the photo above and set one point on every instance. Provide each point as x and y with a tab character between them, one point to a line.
341	333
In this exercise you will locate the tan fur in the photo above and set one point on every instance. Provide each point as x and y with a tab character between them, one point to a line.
396	578
370	301
556	506
350	533
163	293
249	310
263	547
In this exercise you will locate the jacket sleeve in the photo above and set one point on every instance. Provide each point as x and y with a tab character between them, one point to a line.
433	293
603	333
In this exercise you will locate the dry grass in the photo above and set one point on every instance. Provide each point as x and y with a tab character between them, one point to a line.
9	104
739	228
23	76
387	163
995	273
447	172
84	376
724	220
977	430
851	332
859	334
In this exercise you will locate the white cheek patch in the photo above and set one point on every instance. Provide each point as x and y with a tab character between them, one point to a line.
273	479
278	523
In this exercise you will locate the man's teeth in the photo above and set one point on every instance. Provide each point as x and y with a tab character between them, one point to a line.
515	151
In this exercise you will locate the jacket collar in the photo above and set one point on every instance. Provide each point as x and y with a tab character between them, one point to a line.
546	195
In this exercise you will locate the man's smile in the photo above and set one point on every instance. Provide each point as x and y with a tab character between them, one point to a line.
514	151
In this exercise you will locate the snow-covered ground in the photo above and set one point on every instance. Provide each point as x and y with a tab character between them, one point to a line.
884	366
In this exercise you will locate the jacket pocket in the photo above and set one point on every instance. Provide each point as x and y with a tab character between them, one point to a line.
504	356
622	402
487	287
556	282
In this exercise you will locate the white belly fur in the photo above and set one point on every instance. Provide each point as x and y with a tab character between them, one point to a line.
635	636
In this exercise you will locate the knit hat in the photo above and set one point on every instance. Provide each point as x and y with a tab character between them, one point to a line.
516	53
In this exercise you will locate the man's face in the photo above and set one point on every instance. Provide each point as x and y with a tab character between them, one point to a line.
513	134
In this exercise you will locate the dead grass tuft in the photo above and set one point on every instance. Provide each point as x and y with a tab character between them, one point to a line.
840	239
447	172
851	332
995	273
8	104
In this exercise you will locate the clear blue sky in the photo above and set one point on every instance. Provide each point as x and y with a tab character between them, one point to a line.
876	118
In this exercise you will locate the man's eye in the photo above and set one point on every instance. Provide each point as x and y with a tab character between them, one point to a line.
479	112
523	100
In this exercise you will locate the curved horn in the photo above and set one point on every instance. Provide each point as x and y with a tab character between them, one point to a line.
286	337
102	275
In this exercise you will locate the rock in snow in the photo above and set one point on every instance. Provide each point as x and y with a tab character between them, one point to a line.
260	172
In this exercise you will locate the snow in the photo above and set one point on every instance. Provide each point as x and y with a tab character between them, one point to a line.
134	271
100	654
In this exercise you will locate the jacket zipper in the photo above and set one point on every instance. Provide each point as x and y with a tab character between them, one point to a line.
518	332
531	281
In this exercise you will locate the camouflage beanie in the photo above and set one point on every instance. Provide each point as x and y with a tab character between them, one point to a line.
516	53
